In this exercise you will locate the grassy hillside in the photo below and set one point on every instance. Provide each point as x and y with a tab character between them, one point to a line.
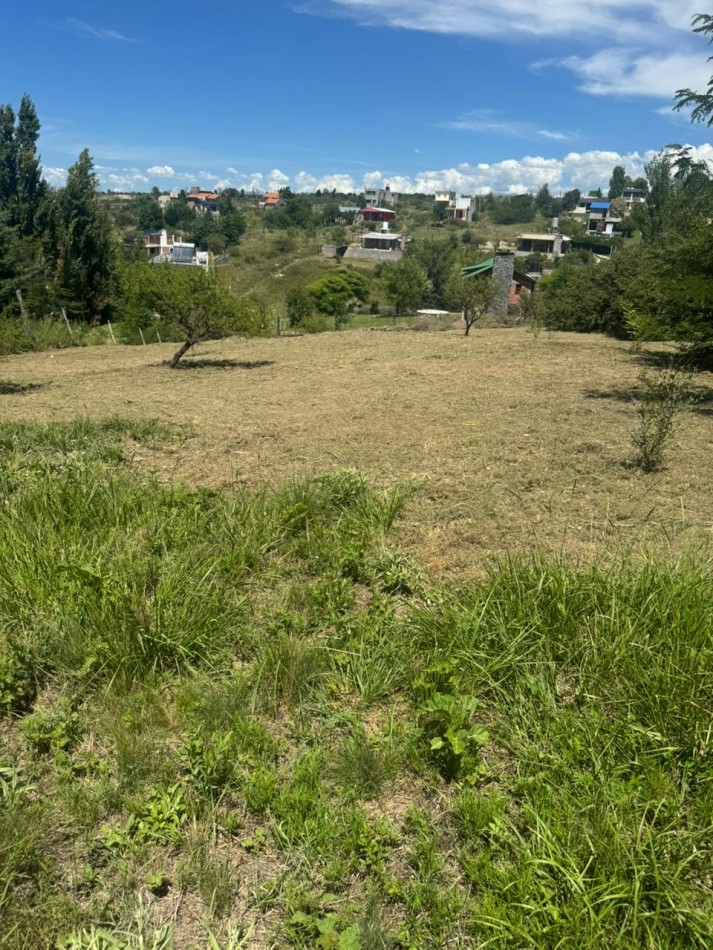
246	719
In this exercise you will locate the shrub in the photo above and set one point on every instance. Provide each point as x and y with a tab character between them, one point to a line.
662	399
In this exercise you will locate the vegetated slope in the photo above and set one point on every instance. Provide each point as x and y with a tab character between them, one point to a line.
244	716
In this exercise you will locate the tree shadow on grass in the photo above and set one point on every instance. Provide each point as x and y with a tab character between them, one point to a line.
686	360
18	389
701	397
220	364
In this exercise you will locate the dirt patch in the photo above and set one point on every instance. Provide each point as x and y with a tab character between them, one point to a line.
499	431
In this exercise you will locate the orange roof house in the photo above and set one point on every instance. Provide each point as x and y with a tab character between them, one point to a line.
201	200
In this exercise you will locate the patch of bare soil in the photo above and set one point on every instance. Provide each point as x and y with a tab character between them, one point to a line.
513	443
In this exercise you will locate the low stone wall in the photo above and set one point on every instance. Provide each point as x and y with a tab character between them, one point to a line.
372	254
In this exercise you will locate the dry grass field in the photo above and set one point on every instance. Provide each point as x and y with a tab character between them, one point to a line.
510	442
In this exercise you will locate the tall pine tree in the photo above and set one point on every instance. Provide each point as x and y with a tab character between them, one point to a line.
85	254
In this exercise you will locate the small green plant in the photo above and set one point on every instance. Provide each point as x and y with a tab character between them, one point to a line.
446	724
88	880
531	311
18	687
256	841
158	883
662	399
232	824
209	761
640	327
52	731
13	788
326	933
160	819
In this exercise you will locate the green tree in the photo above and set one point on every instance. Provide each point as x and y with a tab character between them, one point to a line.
518	209
701	103
544	201
84	257
336	292
570	199
150	215
436	257
471	295
190	302
232	226
30	189
617	182
406	284
299	304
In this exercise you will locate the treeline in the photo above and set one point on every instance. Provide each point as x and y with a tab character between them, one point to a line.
56	249
659	287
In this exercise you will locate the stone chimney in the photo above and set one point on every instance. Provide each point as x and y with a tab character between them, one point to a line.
503	270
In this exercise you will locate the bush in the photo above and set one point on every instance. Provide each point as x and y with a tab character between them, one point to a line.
662	400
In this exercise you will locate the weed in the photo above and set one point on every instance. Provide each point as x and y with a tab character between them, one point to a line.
446	724
363	766
55	730
212	875
159	819
13	787
661	401
158	883
209	761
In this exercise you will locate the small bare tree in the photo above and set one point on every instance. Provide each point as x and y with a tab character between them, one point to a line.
471	295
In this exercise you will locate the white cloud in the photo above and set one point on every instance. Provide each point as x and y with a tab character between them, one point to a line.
55	176
122	179
305	182
626	72
641	47
277	180
623	20
161	171
587	169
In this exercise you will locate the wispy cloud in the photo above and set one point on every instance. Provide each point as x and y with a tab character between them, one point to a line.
94	32
630	72
623	47
490	121
619	20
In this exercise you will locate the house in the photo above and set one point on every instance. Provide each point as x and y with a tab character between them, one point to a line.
381	245
183	255
500	268
634	196
372	215
160	242
553	244
202	201
272	199
584	204
380	197
383	240
602	220
165	200
445	197
461	208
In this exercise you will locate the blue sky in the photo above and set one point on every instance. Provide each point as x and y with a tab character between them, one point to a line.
466	94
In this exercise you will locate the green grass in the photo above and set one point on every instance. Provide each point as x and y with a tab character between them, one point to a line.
247	714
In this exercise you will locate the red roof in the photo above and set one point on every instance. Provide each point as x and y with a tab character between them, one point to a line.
202	196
